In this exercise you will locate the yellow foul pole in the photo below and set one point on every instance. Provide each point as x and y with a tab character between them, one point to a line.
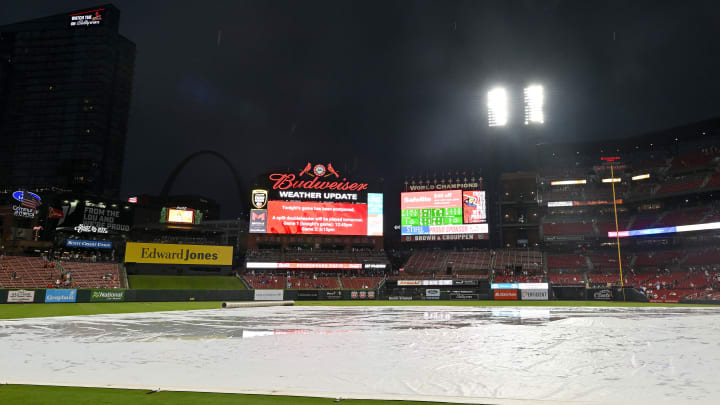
617	231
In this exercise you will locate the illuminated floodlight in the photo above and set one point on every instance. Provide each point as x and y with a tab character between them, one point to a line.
567	182
641	176
534	102
611	180
497	107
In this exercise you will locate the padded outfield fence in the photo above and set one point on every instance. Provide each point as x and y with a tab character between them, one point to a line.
418	294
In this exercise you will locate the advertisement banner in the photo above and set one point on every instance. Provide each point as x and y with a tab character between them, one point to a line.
474	210
88	244
353	295
409	282
311	295
267	265
444	229
432	294
604	294
96	217
311	218
333	295
465	295
664	300
268	295
21	296
431	199
434	238
504	286
54	296
165	253
371	295
107	295
534	295
505	294
258	221
533	286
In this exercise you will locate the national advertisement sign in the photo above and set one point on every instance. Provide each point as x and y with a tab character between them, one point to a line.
16	296
55	296
166	253
107	295
268	295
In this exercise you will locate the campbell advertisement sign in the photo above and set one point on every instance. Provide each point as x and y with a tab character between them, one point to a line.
165	253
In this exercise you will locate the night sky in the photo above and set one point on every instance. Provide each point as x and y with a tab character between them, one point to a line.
398	87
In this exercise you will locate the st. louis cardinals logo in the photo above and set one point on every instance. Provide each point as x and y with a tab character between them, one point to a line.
319	170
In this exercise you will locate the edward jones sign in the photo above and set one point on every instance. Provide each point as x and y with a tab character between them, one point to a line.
162	253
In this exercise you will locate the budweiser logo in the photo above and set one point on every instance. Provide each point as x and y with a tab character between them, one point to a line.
286	181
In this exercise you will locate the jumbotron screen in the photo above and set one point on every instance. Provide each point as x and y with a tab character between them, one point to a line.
315	199
443	212
320	218
180	216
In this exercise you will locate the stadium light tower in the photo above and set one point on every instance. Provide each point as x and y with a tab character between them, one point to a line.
497	107
534	100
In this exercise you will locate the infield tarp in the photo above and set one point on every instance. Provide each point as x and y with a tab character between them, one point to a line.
478	355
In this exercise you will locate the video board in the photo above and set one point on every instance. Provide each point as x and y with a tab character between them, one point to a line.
316	200
180	216
443	212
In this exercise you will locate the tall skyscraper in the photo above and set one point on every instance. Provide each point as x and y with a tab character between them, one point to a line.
65	86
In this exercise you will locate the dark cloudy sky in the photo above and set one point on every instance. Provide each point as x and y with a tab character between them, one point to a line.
397	85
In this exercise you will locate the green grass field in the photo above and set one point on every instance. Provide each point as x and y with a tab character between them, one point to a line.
12	311
40	394
185	283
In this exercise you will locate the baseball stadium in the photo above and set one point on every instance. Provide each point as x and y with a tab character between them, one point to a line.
590	274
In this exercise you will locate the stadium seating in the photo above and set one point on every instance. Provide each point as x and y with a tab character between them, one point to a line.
567	261
566	278
710	256
469	260
692	161
427	262
358	283
568	229
36	272
655	259
93	275
680	185
527	259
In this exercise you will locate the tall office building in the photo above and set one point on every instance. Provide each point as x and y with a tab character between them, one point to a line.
65	85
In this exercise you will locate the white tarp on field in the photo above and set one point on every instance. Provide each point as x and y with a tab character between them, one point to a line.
603	355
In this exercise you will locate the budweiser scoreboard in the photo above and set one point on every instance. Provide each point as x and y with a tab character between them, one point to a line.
316	199
447	210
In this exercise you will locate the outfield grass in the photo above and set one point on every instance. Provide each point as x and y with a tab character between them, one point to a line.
142	282
41	394
11	311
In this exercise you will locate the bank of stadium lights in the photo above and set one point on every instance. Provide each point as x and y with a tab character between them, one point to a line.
611	180
497	103
641	177
534	97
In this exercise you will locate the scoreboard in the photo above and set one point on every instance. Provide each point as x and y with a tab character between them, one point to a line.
435	215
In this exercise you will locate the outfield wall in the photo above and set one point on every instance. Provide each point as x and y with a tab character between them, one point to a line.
414	294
